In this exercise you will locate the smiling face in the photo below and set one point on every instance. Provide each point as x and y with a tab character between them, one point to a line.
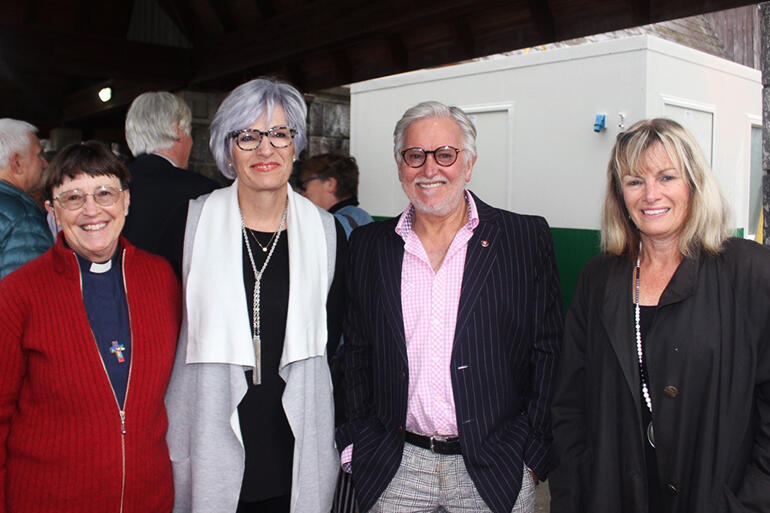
658	201
266	168
92	230
435	190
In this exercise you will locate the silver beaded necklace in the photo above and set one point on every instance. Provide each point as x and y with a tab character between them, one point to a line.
640	350
255	321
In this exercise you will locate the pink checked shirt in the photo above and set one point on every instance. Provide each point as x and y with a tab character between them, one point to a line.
429	301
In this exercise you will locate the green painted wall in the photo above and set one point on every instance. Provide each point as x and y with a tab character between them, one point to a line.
573	248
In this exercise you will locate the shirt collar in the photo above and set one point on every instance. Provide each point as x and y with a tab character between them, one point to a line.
405	221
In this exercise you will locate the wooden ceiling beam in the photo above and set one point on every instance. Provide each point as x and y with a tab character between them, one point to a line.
398	53
224	17
180	14
464	38
266	8
89	55
321	25
640	10
543	19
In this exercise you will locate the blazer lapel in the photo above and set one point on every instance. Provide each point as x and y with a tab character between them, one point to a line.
479	257
391	252
618	320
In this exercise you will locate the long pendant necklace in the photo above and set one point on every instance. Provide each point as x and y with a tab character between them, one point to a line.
640	353
256	340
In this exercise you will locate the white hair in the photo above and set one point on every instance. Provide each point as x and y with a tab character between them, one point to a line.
434	109
152	119
14	138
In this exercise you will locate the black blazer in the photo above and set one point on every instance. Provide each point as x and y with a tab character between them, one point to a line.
506	346
158	188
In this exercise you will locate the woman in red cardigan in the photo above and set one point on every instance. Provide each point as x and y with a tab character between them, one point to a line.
87	338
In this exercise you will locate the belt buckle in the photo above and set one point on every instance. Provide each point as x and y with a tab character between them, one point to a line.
436	438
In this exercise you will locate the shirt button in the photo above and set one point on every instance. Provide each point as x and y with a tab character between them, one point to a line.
671	391
672	489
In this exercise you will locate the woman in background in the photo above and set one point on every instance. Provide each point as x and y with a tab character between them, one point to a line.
663	399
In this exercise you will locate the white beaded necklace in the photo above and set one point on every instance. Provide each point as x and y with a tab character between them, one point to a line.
256	332
640	351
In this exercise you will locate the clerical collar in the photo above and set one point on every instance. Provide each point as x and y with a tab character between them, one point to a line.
98	267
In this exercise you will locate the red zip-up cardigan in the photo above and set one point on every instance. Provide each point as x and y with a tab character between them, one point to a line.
64	443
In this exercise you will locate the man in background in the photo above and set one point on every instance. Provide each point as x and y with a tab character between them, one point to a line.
158	135
331	182
24	233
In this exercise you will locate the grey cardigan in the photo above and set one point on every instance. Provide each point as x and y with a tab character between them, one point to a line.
207	457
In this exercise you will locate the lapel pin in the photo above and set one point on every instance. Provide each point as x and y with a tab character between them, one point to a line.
484	243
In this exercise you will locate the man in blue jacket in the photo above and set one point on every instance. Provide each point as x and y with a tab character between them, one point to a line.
24	233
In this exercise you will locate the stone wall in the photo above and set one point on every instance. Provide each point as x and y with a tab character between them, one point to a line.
328	122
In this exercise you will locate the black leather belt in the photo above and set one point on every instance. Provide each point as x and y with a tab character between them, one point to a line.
436	444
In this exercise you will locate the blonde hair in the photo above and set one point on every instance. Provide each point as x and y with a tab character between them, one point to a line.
708	221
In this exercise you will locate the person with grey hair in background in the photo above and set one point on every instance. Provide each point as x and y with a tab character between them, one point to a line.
251	413
158	135
24	233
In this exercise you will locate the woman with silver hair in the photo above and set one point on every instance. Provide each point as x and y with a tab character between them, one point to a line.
663	398
251	414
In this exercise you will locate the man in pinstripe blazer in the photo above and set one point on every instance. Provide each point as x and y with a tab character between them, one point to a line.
452	338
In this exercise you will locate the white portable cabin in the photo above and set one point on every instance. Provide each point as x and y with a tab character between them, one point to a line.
538	152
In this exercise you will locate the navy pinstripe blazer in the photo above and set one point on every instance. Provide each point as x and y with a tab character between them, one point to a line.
506	346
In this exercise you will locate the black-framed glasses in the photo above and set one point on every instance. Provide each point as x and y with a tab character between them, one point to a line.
444	156
74	199
301	183
249	139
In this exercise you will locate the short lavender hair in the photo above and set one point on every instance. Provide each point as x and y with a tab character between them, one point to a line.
247	103
434	109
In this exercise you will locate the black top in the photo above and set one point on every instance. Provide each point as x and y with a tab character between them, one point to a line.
266	433
654	487
353	200
158	188
105	302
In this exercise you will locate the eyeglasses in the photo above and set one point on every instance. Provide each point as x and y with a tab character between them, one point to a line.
249	139
301	183
444	156
75	199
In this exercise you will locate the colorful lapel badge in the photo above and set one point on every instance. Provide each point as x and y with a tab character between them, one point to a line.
484	243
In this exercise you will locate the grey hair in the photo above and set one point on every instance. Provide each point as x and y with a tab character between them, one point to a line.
245	105
152	119
707	225
14	138
434	109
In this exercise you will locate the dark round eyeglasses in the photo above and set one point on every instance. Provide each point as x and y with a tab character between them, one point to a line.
444	156
249	139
